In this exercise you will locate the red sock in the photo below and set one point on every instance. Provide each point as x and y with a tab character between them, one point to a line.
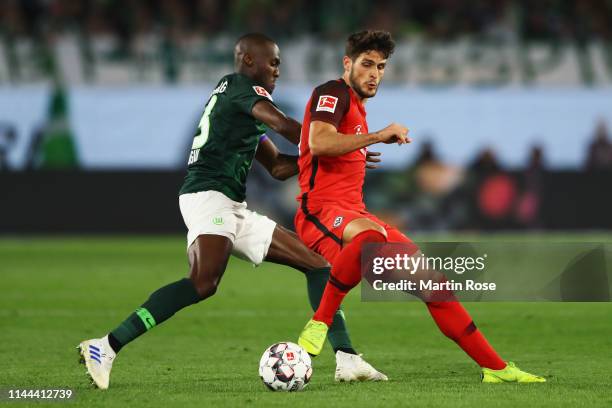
456	324
344	276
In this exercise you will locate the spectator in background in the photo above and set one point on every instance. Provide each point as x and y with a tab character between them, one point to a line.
528	204
426	154
485	163
535	163
8	136
434	177
494	192
53	146
430	200
599	156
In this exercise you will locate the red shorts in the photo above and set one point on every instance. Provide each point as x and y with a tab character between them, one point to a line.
322	228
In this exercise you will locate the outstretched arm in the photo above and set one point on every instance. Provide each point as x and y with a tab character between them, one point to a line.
280	166
276	120
325	140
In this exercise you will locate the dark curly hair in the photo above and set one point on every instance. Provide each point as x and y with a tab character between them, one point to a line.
369	40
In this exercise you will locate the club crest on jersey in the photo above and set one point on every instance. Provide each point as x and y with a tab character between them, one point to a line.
338	221
327	103
358	130
261	91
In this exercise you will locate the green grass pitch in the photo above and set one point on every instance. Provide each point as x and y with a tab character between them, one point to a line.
57	291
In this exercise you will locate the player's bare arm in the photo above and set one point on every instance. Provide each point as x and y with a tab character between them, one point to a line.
325	140
276	120
280	166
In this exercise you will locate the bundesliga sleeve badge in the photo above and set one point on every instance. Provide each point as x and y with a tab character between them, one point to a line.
327	103
261	91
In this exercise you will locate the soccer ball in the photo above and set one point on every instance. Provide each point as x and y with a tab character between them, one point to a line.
285	367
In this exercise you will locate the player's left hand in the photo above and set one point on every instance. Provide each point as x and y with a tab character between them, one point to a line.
372	157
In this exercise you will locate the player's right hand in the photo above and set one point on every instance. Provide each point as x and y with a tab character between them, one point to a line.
394	133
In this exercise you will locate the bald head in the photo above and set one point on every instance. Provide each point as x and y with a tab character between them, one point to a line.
257	56
251	44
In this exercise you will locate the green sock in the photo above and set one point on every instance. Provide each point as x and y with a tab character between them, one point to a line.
161	305
338	335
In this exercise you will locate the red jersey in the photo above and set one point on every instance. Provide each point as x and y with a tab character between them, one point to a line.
333	180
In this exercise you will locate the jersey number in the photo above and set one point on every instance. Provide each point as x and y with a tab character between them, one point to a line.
204	125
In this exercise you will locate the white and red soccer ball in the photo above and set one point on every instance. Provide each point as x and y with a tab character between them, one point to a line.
285	367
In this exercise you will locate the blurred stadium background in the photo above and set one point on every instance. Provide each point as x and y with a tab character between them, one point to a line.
510	108
509	104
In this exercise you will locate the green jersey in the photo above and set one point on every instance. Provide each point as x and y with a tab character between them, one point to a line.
226	140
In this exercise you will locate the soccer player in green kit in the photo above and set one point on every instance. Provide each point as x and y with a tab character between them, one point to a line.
230	134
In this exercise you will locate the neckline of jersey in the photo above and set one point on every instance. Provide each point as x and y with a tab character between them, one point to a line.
353	95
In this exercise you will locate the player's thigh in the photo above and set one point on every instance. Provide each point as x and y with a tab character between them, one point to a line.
321	229
211	221
287	249
321	242
359	225
253	236
333	221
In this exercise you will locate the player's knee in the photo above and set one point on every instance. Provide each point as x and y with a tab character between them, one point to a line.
206	288
315	261
435	297
354	282
205	282
345	283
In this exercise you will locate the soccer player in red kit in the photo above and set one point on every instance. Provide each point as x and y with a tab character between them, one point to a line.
332	218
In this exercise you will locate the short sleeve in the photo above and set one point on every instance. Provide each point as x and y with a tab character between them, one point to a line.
330	102
246	94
